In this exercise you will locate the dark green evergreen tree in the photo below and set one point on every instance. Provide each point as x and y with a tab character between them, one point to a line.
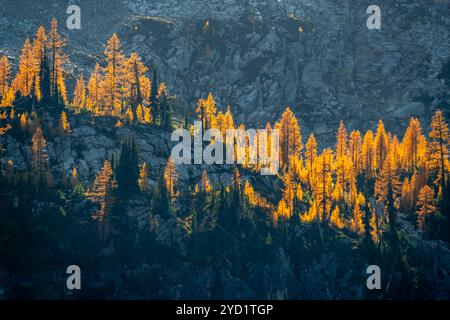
154	97
137	89
160	200
127	171
186	120
56	96
367	240
44	76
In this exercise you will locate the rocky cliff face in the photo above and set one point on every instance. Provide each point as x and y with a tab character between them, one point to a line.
259	56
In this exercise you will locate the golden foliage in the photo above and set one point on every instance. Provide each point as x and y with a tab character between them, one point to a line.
290	137
25	76
335	219
64	123
5	75
40	157
439	148
170	177
426	207
143	177
101	191
79	96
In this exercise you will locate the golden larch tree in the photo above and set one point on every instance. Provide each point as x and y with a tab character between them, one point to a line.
95	93
25	76
440	141
310	155
79	95
114	74
411	143
55	45
206	111
368	155
380	146
148	118
341	141
426	207
64	125
39	157
143	177
323	185
388	187
355	149
210	110
101	193
336	219
140	114
39	50
5	76
290	137
356	222
135	71
170	177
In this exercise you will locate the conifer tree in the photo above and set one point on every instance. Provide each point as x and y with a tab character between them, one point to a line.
380	146
102	194
127	170
426	207
39	157
310	154
210	110
143	177
368	241
355	148
154	96
39	51
387	189
411	144
55	45
368	155
79	95
336	219
44	81
95	93
290	137
440	142
24	78
148	115
323	184
161	201
341	141
5	74
135	71
114	75
140	114
186	120
356	222
206	111
64	126
170	178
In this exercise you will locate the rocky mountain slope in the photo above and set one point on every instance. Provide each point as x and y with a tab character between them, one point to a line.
334	273
258	56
